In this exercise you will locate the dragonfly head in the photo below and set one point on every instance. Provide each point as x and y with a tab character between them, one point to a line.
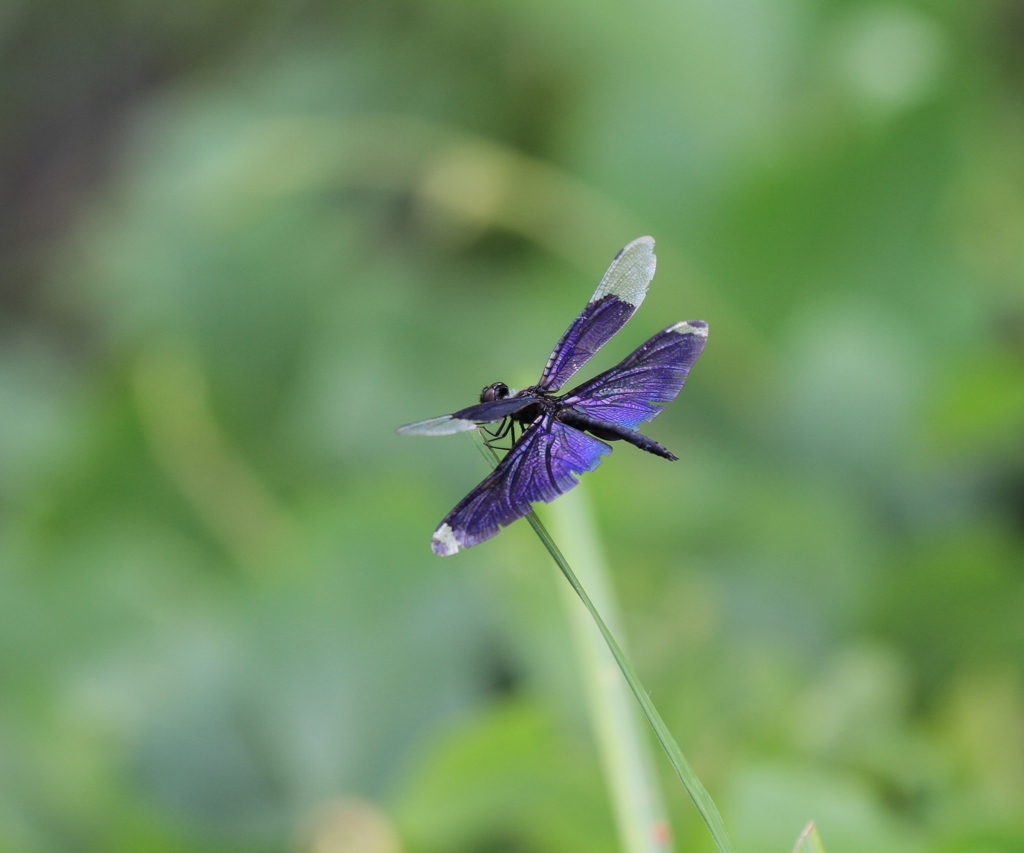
497	391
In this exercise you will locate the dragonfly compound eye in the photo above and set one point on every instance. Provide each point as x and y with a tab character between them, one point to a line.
497	391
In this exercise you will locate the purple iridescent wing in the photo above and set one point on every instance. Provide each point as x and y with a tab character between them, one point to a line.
539	467
622	289
468	418
640	386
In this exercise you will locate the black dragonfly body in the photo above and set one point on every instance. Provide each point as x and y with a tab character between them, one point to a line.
562	434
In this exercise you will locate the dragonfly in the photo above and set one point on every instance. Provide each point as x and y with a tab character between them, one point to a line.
564	435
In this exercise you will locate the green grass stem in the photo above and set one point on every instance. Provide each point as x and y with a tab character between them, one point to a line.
623	744
698	793
809	841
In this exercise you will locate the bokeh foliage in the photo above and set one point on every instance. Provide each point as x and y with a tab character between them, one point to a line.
243	240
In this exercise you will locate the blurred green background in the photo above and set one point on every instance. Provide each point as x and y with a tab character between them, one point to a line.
242	241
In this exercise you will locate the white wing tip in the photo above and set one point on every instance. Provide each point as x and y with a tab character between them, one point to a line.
444	542
629	273
646	240
690	327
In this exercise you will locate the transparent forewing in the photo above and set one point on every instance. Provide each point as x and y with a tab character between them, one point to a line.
539	467
468	418
640	386
622	289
